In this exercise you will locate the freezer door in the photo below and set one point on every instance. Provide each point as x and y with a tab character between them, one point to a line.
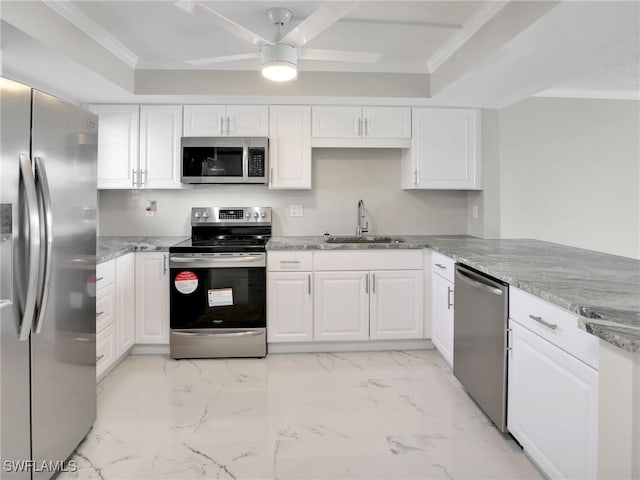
64	151
15	115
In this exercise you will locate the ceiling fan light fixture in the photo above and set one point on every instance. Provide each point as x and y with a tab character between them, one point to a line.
279	62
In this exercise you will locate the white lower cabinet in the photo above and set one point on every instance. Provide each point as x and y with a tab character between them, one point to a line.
105	350
125	304
152	298
396	309
341	309
442	291
289	307
552	395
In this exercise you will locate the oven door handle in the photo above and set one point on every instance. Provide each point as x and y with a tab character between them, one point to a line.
217	259
248	333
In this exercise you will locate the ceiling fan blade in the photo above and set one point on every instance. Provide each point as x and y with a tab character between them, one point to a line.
338	55
317	22
226	58
201	10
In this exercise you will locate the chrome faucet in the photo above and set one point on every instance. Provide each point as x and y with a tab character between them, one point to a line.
359	228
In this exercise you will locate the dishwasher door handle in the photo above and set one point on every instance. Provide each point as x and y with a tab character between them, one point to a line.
478	284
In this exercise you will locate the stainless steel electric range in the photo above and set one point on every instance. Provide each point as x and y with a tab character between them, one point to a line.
218	284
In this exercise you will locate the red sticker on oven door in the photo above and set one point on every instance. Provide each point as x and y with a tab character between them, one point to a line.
186	282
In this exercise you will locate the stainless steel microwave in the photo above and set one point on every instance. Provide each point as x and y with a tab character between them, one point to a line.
224	160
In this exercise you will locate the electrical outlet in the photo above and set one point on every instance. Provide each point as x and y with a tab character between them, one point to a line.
150	208
474	211
296	210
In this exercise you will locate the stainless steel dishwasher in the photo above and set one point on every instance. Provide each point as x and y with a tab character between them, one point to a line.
480	340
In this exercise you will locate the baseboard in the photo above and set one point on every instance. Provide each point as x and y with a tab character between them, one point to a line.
162	349
364	346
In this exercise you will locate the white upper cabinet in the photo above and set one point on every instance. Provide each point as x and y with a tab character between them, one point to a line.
226	120
160	132
118	136
445	150
138	146
290	146
385	127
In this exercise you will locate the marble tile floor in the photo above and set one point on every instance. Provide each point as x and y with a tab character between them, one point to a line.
365	415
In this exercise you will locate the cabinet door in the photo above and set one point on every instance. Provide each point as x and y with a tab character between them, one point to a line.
247	121
290	147
152	298
105	350
160	132
341	305
386	122
442	316
336	122
289	307
125	303
445	150
553	406
204	120
118	127
396	304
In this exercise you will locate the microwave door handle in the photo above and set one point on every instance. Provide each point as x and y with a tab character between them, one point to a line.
245	162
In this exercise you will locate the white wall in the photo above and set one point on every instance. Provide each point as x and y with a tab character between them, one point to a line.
340	178
570	173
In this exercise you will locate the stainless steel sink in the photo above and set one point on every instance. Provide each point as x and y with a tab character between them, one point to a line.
362	239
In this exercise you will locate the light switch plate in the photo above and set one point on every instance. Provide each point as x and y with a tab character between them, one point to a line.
296	210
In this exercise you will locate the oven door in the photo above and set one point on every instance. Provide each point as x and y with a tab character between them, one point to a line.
218	290
218	305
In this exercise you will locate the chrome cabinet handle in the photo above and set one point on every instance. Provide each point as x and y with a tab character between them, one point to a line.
5	303
164	264
133	177
366	287
552	326
289	261
373	283
359	127
221	125
31	196
449	292
366	128
99	358
415	178
143	178
99	278
46	242
309	287
99	313
441	266
228	125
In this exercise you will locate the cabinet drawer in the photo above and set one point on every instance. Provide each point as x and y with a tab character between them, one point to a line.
289	261
105	274
368	260
105	349
555	324
105	307
443	266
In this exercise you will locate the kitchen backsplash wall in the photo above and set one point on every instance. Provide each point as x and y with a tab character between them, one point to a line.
570	173
340	178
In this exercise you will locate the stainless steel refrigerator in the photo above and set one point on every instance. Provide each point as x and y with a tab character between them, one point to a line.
47	281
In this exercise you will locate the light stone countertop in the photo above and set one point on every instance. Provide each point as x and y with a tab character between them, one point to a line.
109	248
603	289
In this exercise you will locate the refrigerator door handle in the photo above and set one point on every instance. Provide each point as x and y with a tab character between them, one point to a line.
5	303
46	242
29	306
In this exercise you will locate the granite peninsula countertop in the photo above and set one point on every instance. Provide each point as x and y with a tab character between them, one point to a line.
109	248
603	289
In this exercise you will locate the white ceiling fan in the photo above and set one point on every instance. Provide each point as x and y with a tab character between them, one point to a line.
279	58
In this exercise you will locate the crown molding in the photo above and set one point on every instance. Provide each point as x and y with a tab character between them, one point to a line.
72	14
485	13
587	93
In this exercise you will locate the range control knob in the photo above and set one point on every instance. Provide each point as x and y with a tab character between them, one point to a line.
264	215
197	215
205	215
256	215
